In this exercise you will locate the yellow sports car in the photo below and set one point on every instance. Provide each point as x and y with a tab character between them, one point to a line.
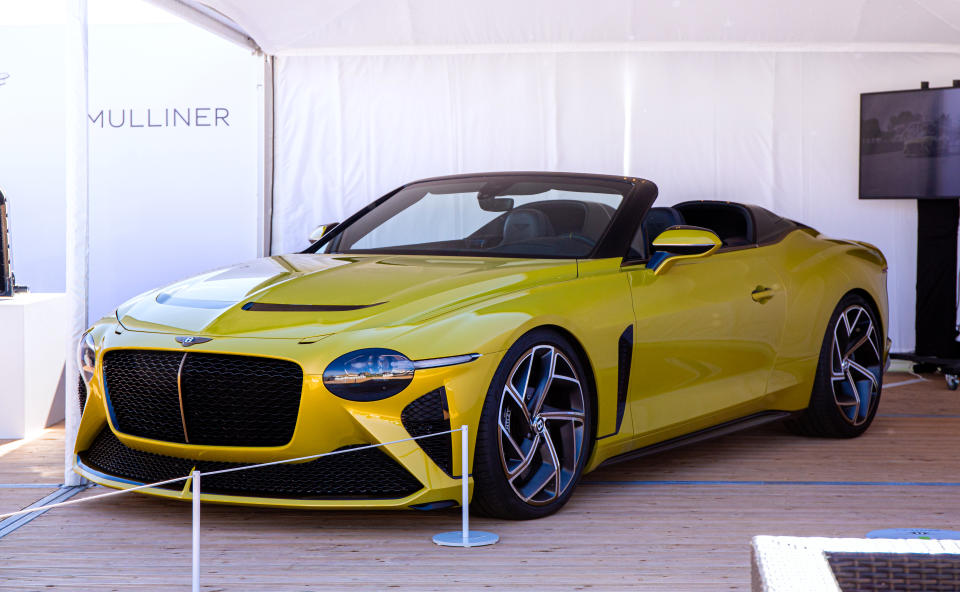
561	317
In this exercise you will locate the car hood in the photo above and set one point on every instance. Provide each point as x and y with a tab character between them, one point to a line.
307	295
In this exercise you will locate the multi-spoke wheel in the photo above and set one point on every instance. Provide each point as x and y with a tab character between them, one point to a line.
541	425
855	363
849	377
535	431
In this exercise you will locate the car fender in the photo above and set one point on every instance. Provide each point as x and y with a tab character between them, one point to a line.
818	272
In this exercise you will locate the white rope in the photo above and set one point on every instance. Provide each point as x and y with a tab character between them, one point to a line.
230	470
87	499
312	456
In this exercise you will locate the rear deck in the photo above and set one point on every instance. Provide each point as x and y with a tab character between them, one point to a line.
678	521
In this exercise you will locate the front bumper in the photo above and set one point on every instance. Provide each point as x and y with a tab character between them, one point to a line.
324	423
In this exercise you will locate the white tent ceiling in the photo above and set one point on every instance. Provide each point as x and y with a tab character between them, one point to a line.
289	27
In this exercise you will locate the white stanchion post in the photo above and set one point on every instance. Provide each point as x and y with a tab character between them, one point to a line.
196	531
464	486
466	537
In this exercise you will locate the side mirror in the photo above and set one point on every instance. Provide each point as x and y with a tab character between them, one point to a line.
321	230
681	242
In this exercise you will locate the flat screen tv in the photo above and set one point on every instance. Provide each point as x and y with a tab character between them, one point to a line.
910	144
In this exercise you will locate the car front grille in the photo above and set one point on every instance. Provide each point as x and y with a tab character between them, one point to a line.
203	398
364	474
141	388
428	415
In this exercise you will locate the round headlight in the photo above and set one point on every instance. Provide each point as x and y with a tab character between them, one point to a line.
368	374
87	357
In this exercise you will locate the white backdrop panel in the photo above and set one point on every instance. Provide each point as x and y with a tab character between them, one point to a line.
165	202
171	200
775	129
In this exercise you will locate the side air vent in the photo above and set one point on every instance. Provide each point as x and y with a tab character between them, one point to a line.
427	415
82	393
624	356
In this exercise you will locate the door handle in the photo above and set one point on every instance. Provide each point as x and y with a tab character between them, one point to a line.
761	294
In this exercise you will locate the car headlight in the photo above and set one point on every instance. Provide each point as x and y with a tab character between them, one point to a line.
87	357
368	374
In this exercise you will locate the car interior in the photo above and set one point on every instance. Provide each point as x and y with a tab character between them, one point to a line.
573	227
544	226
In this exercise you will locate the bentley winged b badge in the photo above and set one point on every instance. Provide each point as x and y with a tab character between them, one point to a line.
188	341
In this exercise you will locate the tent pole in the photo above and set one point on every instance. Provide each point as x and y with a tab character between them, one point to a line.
77	214
265	215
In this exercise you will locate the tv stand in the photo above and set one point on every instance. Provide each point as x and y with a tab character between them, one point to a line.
936	348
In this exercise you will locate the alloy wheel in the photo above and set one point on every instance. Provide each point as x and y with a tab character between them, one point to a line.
855	366
541	425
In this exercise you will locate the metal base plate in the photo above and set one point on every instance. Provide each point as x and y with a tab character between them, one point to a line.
475	538
914	533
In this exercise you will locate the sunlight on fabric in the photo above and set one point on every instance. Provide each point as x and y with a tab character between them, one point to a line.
627	118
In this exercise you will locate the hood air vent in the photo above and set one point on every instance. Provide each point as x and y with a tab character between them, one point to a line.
268	307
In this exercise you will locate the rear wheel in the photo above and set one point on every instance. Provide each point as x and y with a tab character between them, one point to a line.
535	429
846	390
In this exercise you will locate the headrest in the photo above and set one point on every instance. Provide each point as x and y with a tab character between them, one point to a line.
526	223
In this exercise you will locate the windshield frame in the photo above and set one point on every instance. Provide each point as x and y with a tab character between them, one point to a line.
638	196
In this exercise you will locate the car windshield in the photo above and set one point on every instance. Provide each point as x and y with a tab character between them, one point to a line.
500	217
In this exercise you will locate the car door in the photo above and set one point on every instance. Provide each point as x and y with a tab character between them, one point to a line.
706	339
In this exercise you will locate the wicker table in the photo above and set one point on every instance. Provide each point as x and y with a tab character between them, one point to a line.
802	564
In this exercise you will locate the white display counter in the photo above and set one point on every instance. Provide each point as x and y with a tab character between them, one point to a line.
33	335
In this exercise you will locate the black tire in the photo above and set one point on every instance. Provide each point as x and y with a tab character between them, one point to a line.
836	408
494	493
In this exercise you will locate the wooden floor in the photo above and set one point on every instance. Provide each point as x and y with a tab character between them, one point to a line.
679	521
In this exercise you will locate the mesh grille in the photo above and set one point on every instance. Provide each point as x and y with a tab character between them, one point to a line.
240	400
141	386
228	400
365	474
428	415
81	393
905	572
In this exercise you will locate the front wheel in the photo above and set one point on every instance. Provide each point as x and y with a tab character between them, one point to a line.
535	429
846	390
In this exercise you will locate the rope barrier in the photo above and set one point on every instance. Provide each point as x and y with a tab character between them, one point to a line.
313	456
230	470
462	538
88	499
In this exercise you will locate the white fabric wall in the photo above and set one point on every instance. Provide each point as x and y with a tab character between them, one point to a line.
775	128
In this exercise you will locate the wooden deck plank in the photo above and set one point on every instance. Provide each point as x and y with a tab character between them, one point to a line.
12	500
615	534
37	460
